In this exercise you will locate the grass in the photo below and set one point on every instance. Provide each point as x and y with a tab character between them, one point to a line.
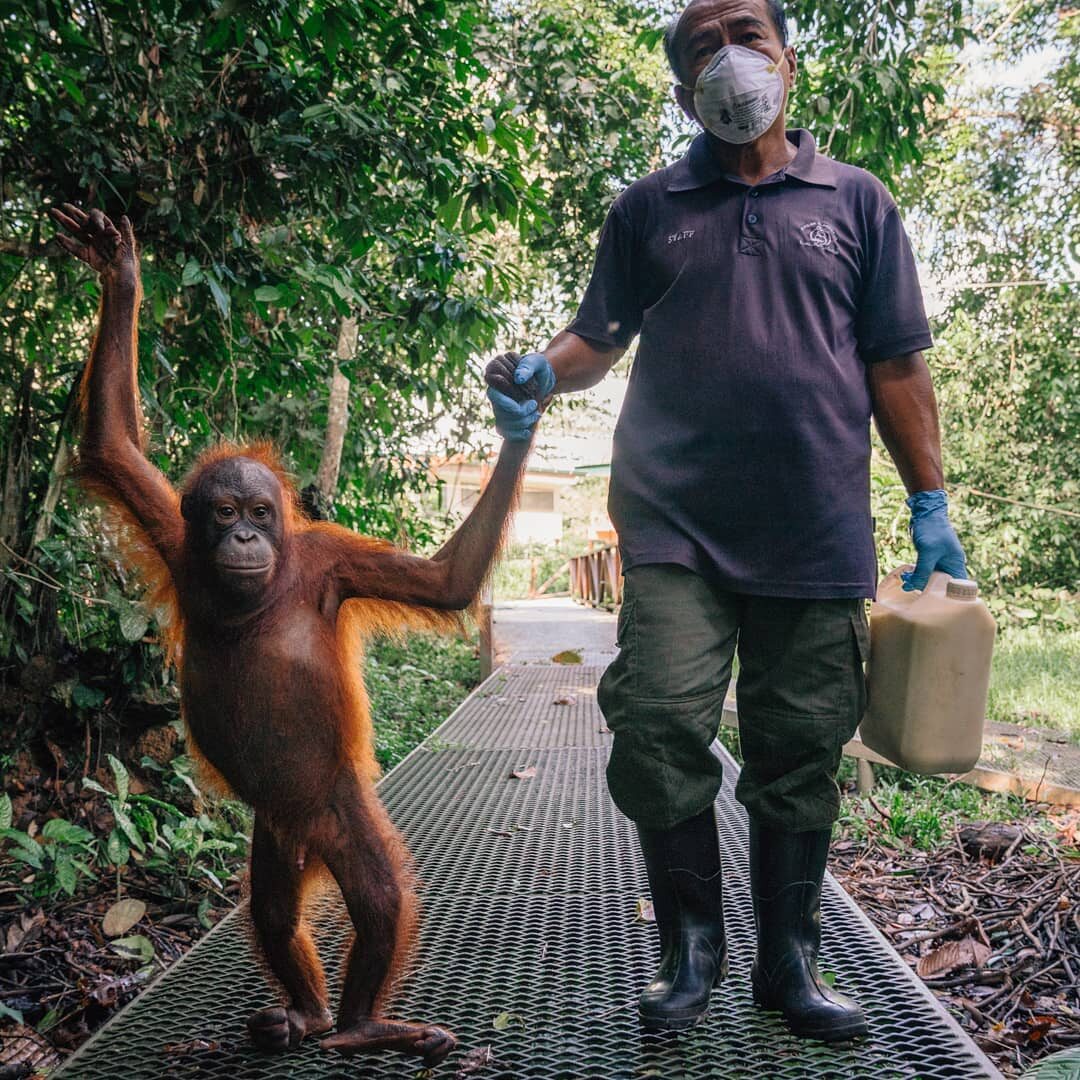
922	810
414	686
1036	678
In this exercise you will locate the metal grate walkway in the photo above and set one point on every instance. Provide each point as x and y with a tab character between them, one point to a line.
529	893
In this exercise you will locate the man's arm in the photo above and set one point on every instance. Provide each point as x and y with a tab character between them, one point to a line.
451	579
579	363
111	458
906	416
905	412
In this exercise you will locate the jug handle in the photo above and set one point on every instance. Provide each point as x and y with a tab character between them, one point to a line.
892	582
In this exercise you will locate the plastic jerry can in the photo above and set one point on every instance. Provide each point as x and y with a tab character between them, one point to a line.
928	675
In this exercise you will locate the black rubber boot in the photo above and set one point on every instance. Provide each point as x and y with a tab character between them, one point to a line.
684	877
786	872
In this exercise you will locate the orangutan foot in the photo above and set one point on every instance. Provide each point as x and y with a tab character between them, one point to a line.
277	1028
421	1040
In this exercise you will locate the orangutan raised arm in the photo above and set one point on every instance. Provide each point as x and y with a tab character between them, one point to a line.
111	458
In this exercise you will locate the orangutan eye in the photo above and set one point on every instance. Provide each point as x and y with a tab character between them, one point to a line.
261	513
226	513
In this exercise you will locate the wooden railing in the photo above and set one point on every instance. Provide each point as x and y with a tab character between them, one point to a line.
596	577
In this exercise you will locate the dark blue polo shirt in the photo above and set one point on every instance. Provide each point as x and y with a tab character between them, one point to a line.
743	446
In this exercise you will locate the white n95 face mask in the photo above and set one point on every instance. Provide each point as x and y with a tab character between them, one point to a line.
739	94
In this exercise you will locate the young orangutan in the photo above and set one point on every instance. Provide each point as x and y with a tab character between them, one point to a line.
268	613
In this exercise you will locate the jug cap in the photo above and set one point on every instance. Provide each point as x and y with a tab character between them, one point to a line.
962	589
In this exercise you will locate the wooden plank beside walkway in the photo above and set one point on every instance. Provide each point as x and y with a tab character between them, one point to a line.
530	945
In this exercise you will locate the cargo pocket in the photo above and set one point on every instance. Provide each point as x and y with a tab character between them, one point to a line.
860	630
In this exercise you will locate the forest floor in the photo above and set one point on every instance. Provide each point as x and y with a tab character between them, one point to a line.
990	920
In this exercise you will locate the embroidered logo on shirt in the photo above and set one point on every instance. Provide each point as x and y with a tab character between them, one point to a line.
684	234
819	234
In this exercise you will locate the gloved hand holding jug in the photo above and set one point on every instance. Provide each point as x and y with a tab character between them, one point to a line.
936	543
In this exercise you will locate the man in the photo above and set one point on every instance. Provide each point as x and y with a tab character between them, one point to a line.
778	308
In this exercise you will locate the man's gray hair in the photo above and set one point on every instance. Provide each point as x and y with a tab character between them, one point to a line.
776	13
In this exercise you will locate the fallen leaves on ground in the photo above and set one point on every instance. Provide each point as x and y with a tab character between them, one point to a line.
475	1061
992	921
122	916
567	656
947	958
524	774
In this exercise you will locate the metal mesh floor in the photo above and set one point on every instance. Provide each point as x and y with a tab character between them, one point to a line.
529	891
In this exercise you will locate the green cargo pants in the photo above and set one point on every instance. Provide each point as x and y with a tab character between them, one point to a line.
801	694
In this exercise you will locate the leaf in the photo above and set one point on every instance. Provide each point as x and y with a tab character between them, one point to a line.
136	947
314	111
10	1013
268	294
644	911
476	1060
117	848
504	1019
128	829
133	623
524	774
203	913
120	774
87	697
5	811
567	656
93	785
221	297
64	832
122	916
193	273
66	875
1064	1065
967	952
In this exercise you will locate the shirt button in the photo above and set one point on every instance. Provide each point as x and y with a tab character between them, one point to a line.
755	193
752	218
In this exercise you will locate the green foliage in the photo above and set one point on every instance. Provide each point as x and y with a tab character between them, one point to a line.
531	565
178	847
995	214
286	167
57	859
414	687
871	75
1036	677
922	811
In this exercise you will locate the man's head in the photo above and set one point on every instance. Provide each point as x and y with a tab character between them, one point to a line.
234	511
704	27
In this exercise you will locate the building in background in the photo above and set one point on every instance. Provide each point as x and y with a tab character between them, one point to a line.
539	519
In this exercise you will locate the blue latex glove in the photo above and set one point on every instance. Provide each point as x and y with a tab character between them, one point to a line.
535	365
533	382
936	543
514	420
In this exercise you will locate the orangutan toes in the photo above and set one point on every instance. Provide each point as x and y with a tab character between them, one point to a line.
277	1028
426	1041
436	1043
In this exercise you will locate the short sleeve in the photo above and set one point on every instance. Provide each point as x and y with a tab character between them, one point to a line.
610	312
891	320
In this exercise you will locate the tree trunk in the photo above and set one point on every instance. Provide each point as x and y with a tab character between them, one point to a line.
17	463
337	422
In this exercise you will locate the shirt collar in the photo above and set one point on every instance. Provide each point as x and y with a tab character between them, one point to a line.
698	168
